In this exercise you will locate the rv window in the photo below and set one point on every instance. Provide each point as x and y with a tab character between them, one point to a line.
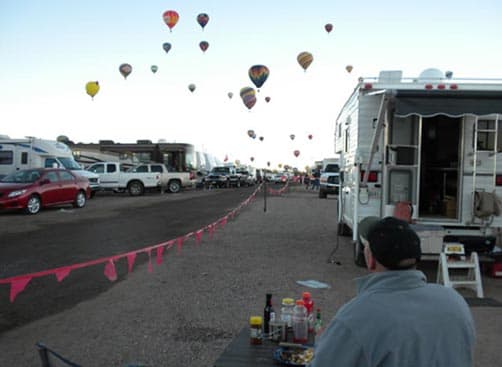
486	135
6	157
49	162
24	158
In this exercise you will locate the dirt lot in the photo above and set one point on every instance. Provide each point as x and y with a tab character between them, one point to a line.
191	306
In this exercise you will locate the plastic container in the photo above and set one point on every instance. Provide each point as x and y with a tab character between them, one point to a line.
255	325
287	310
300	323
309	305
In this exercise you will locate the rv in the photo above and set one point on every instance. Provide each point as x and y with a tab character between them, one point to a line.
424	149
16	154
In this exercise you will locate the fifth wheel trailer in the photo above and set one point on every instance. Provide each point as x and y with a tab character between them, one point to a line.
431	143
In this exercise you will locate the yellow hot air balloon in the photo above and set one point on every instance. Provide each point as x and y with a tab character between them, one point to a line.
92	88
305	59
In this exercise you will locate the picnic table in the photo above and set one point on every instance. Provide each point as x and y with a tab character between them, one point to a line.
241	353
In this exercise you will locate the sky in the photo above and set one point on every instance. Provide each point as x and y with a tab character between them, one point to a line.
50	49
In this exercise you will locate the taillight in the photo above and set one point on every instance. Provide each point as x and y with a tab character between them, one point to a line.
372	177
498	180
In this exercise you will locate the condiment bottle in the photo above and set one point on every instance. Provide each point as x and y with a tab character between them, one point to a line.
255	325
300	323
287	310
309	305
267	312
317	325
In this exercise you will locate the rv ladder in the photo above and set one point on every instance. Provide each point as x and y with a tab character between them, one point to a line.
470	280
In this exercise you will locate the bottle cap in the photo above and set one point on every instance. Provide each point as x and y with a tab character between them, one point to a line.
255	320
306	295
300	302
288	301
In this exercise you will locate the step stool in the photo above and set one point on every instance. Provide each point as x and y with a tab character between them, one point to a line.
453	257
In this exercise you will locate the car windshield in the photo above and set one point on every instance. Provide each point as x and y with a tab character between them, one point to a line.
22	176
220	170
332	168
69	163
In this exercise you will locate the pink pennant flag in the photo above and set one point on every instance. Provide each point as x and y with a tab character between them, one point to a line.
223	221
198	236
179	244
170	244
62	273
131	257
110	271
160	251
150	266
17	286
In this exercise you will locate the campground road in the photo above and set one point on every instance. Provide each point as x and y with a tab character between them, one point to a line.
108	225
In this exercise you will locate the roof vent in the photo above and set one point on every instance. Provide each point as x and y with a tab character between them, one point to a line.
390	76
146	141
431	75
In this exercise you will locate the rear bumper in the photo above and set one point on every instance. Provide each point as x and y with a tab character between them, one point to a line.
329	189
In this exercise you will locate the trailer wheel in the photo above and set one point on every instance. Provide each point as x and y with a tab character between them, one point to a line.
135	188
174	186
359	259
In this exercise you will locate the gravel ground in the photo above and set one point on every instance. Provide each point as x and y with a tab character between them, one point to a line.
188	310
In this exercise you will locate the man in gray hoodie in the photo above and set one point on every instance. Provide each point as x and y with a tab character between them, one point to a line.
397	318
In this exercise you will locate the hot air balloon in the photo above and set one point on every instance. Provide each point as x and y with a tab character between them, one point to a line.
154	68
170	18
305	59
204	45
296	153
202	19
328	27
292	136
310	136
248	96
261	138
280	165
92	88
349	68
252	159
258	74
267	99
268	164
226	158
250	133
125	70
166	46
191	87
230	95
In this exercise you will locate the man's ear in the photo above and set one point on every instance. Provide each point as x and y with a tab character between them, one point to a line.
370	260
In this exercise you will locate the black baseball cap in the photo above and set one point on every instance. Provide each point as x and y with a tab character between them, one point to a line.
391	241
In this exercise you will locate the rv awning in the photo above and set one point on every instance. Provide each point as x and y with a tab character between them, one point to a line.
449	103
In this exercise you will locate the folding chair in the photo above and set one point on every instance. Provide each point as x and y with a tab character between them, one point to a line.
50	358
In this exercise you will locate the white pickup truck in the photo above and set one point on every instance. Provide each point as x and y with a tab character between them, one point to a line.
115	176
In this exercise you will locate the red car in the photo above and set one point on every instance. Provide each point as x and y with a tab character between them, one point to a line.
33	189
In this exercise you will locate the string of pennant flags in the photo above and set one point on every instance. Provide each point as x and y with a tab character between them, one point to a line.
18	283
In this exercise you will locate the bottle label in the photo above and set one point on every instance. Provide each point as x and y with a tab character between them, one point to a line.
255	333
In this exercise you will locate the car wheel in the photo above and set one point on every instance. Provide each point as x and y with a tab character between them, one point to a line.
359	259
80	200
174	186
135	188
227	184
33	205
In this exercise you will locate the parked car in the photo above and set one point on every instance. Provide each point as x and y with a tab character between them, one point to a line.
222	176
247	178
33	189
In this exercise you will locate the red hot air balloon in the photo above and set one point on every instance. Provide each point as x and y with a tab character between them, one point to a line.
170	18
226	158
202	19
328	27
296	153
204	45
